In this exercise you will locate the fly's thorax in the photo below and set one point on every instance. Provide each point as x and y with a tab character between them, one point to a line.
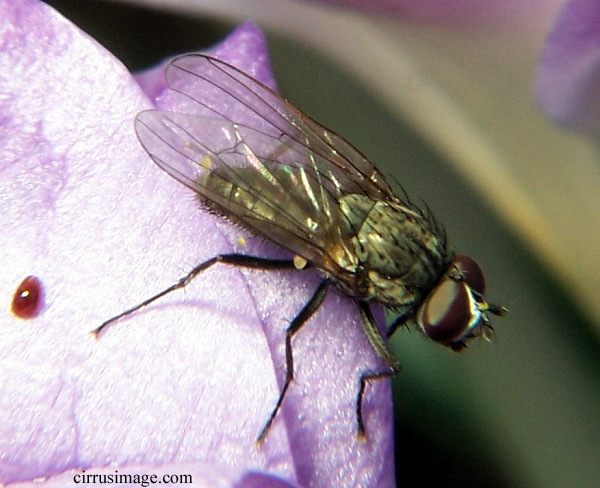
397	250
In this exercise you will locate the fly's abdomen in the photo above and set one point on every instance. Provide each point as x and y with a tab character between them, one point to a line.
281	211
234	199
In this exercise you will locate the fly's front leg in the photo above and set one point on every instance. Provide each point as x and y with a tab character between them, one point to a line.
398	322
378	343
298	321
231	259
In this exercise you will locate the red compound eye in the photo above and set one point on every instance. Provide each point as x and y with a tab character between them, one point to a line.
27	300
446	313
472	274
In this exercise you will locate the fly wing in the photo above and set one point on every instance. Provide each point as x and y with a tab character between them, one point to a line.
241	173
256	159
212	87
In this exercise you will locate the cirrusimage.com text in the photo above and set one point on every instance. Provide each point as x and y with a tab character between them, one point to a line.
143	480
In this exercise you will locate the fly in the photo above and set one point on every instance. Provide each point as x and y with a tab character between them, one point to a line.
279	174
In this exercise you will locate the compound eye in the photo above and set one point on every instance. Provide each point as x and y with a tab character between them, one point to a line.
471	273
446	314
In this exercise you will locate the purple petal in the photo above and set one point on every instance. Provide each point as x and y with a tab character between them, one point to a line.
568	79
245	48
196	474
186	384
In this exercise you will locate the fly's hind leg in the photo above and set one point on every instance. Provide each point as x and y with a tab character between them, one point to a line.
298	321
378	343
231	259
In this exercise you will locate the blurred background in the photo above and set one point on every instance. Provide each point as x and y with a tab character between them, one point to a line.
523	411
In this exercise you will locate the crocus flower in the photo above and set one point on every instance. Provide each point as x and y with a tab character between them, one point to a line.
181	387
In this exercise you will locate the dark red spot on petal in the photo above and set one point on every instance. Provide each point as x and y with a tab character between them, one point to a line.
27	300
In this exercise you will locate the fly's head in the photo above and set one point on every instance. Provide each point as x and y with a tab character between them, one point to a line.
455	311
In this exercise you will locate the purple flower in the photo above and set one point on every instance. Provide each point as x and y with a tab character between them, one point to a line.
185	385
569	72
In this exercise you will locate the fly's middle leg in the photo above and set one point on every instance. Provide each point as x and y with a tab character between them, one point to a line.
298	321
381	348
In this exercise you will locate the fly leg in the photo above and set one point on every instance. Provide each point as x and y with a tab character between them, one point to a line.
297	322
398	322
378	343
231	259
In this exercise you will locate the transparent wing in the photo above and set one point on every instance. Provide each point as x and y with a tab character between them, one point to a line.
240	172
255	158
212	87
